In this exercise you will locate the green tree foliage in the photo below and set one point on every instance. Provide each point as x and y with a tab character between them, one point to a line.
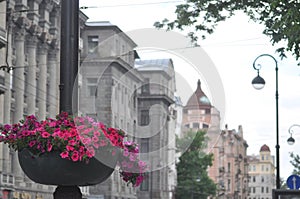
192	178
280	18
296	163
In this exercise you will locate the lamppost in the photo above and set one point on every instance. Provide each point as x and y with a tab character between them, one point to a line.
258	83
291	140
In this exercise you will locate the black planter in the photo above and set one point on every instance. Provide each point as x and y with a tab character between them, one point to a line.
51	169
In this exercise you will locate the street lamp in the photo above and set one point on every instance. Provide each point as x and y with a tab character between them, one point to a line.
291	140
258	83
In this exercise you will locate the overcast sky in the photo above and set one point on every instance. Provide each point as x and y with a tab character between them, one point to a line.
232	49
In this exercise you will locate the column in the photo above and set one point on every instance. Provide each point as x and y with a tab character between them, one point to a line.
31	74
18	86
53	86
42	80
7	102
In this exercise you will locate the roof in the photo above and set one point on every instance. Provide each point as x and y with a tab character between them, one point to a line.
160	62
264	148
99	23
198	99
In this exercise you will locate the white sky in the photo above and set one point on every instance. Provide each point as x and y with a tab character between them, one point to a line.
232	48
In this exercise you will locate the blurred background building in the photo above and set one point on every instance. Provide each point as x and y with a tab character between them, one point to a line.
261	174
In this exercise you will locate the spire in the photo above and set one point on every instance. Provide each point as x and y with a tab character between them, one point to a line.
198	84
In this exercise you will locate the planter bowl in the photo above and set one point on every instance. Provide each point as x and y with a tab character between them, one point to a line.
51	169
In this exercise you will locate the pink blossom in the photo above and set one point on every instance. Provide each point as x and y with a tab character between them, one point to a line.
95	139
32	143
72	142
139	180
90	152
49	147
97	133
64	154
45	134
132	157
125	153
75	156
86	141
70	148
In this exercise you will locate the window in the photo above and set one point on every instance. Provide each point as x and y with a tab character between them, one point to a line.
205	126
196	125
93	43
145	184
262	189
144	145
253	179
92	87
228	184
228	167
146	87
145	119
262	167
262	157
253	190
254	168
262	179
267	189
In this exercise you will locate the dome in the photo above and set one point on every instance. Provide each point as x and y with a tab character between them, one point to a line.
198	99
264	148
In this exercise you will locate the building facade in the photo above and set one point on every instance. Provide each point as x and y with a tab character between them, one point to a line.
112	90
29	34
156	127
230	167
108	84
261	174
122	93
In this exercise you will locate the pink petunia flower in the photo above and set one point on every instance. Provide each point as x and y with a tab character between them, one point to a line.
32	143
75	156
64	154
45	134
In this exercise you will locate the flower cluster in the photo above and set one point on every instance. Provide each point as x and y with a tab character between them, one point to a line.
76	139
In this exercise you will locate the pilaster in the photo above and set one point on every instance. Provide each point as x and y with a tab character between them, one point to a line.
19	6
53	83
42	79
31	44
54	20
44	10
18	86
34	14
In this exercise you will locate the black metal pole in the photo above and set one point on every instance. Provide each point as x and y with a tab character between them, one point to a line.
68	74
277	121
69	55
277	133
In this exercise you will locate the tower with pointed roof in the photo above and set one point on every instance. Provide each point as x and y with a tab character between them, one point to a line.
261	174
199	113
229	149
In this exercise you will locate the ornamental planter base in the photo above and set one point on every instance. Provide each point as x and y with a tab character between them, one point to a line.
51	169
69	192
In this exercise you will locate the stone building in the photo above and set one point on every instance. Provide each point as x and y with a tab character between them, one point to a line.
261	174
128	95
108	84
29	33
110	88
230	167
156	127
